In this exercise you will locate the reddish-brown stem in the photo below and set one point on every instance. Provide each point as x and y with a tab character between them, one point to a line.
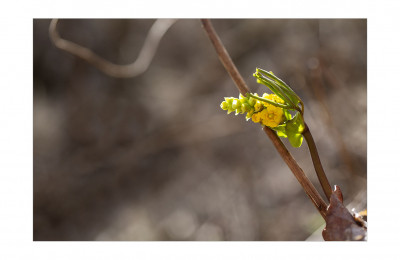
223	55
323	180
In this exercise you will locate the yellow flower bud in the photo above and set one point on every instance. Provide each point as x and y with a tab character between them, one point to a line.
243	99
230	110
259	112
252	101
245	107
276	99
224	105
266	96
258	106
249	114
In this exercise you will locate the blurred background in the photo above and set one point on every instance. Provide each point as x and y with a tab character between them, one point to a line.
155	158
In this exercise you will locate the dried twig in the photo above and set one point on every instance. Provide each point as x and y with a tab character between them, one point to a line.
136	68
223	55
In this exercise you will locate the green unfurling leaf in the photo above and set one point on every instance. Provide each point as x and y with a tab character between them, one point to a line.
288	116
295	139
276	89
295	125
283	86
294	130
281	130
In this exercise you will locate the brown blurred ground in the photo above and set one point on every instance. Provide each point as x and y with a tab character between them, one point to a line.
155	158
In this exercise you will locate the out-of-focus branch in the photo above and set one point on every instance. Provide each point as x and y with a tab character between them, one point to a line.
318	75
223	55
140	65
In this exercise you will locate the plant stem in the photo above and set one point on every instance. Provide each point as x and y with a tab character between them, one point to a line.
269	101
308	187
317	163
224	57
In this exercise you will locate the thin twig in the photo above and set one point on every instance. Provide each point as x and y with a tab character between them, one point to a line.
223	55
140	65
317	163
311	191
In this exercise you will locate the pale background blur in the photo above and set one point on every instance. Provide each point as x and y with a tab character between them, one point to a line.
155	158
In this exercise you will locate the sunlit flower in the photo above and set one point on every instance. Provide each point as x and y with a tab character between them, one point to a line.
272	97
271	116
260	112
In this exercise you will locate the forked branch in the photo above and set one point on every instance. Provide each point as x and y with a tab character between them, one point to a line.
223	55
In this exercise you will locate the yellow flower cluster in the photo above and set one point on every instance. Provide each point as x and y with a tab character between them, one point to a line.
268	115
260	112
239	105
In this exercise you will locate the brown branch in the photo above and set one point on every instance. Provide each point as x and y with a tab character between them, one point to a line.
140	65
224	57
308	187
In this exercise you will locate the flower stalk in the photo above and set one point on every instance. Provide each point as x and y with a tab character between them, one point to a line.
317	163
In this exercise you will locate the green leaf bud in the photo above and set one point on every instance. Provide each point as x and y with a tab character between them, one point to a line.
258	106
236	104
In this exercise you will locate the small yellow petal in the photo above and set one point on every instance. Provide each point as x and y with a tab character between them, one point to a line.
269	123
264	114
256	117
274	124
271	109
258	106
277	119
